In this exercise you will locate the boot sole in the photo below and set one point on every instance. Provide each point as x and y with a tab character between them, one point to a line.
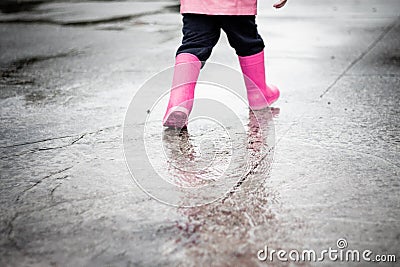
263	106
177	120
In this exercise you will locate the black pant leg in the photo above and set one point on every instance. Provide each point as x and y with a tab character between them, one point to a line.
242	34
200	35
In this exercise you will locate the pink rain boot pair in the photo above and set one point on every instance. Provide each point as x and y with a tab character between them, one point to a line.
186	72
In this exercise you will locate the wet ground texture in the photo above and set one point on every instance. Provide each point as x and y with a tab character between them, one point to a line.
68	72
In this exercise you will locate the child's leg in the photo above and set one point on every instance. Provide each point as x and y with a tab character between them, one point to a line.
200	34
244	38
242	34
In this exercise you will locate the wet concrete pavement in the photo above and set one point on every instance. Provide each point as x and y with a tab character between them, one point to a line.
68	73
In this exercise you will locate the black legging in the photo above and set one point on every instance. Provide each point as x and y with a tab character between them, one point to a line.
201	34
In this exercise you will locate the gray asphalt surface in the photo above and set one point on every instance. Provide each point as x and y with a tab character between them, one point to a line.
68	73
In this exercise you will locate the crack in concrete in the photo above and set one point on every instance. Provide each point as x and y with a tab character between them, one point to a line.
248	173
76	140
46	148
53	190
61	179
361	56
344	73
80	137
38	141
40	181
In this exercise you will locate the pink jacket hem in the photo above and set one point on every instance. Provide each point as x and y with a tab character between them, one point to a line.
219	7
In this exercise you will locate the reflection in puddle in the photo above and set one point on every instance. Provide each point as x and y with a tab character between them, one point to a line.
199	156
230	230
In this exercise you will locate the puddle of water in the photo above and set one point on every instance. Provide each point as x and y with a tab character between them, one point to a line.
218	229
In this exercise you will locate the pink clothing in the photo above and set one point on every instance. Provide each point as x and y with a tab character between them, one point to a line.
186	73
219	7
259	94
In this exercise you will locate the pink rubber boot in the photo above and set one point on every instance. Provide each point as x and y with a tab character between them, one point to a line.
186	72
259	94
